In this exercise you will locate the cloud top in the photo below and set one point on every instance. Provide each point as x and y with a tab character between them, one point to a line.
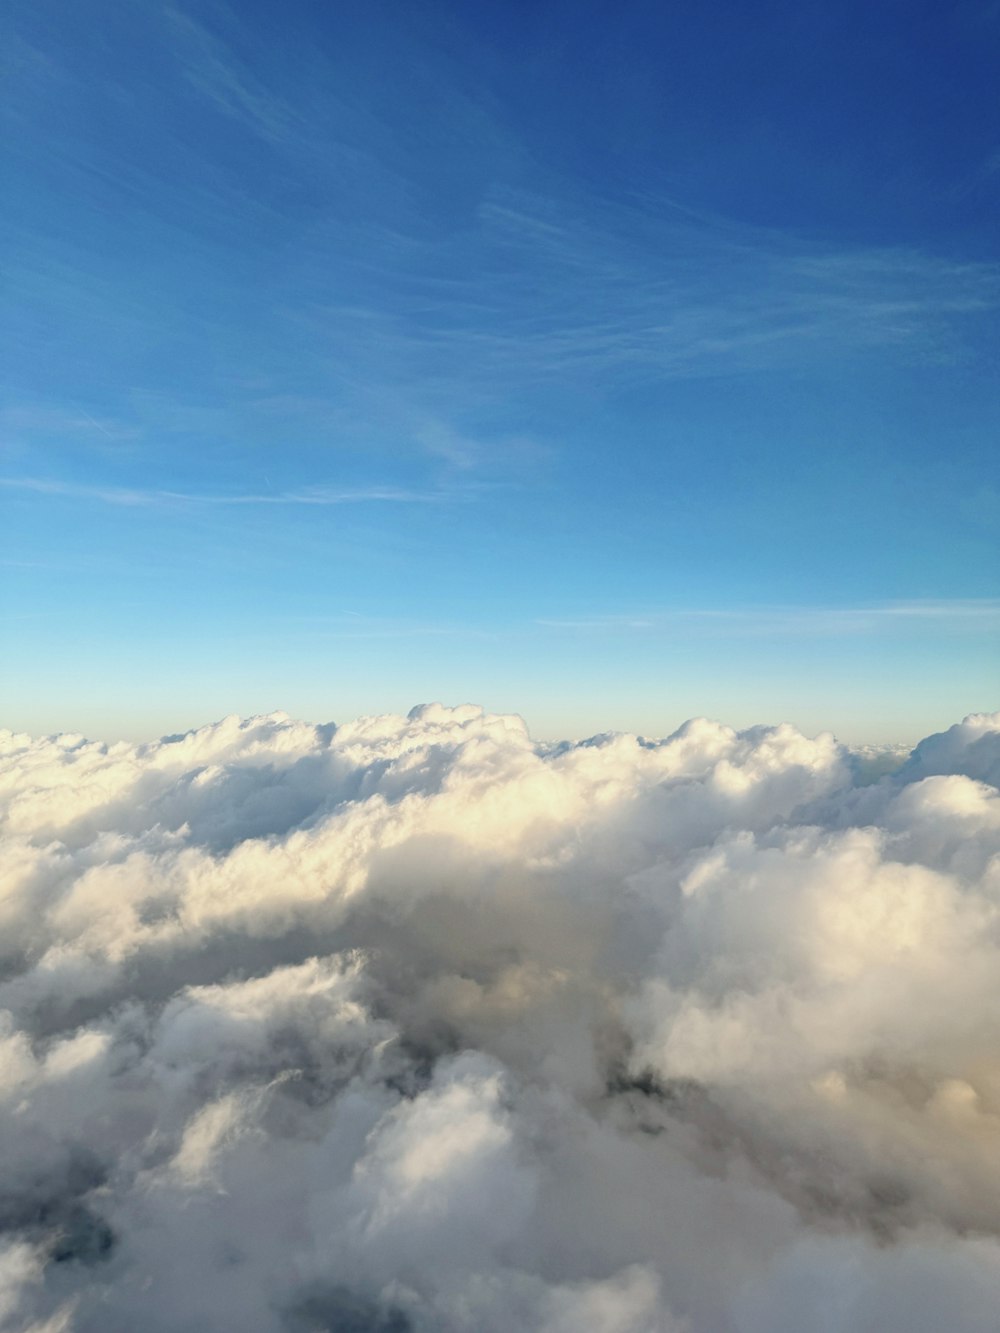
417	1024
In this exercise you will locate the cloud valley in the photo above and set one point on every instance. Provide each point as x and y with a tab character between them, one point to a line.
415	1024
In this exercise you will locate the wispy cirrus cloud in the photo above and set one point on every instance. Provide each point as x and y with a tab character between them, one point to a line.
541	291
535	281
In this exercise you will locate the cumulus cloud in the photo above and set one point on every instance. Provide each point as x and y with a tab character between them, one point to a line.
414	1024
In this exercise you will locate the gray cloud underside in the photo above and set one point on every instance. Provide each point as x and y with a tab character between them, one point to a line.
414	1024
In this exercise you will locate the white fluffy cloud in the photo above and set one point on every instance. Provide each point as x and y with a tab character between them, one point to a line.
413	1025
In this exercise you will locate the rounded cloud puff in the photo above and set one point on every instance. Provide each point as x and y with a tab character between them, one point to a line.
415	1024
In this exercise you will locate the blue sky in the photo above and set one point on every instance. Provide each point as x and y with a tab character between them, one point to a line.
606	363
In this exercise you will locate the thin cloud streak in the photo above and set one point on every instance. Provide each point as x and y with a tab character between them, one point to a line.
121	495
981	612
212	69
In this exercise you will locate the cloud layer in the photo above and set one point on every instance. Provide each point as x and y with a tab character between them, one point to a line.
416	1024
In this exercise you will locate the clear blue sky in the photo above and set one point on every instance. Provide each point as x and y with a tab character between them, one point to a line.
609	363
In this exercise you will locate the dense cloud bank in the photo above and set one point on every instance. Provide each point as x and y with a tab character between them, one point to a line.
416	1025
